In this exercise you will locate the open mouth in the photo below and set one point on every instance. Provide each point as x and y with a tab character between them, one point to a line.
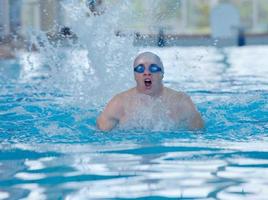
147	82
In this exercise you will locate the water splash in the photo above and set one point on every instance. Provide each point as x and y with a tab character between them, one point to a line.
92	68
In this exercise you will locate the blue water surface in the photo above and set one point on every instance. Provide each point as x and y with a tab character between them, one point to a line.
51	149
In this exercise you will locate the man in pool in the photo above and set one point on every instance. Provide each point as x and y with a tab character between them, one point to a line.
150	104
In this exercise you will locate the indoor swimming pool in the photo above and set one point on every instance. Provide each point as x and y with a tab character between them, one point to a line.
53	91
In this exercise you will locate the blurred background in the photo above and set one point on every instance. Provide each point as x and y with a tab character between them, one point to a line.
156	22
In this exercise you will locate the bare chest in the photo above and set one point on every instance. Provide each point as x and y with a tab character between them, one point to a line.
149	113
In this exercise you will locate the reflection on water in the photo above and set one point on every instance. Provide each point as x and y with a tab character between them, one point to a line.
180	170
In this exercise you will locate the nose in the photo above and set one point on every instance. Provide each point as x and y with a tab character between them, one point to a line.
147	72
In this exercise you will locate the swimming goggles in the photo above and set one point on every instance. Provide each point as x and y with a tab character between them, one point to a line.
153	68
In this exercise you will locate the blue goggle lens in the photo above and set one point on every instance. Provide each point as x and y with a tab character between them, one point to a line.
139	69
153	68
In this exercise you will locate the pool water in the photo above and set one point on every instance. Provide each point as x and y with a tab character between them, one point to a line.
51	149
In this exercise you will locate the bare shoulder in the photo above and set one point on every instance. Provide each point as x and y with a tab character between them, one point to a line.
176	95
127	93
118	100
121	97
179	101
183	104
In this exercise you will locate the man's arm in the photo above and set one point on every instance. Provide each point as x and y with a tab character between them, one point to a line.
194	118
111	115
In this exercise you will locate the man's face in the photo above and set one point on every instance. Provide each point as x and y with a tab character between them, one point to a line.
149	82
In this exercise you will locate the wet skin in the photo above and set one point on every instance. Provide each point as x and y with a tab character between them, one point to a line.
175	106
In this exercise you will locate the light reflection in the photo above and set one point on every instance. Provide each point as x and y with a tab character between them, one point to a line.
35	192
244	191
119	174
30	176
4	195
34	164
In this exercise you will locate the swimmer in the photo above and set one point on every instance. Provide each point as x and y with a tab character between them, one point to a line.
150	102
